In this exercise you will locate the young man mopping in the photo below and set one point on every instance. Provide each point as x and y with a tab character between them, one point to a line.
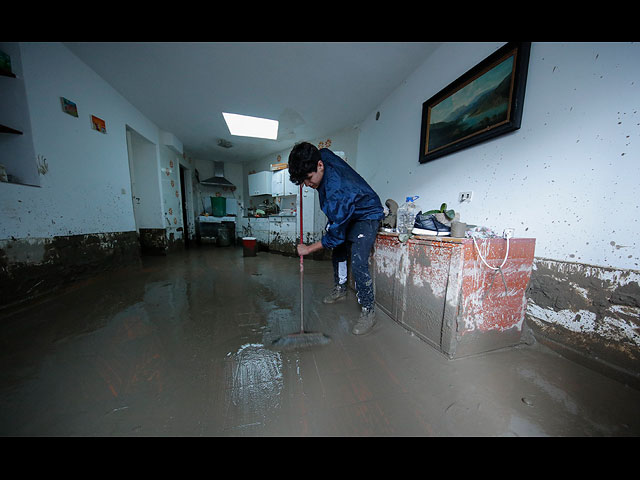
354	213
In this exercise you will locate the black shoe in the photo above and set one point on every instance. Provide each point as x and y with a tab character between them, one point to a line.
428	225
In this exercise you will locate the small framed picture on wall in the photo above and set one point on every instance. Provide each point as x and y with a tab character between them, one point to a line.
98	124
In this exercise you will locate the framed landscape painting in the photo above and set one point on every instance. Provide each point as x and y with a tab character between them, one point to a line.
483	103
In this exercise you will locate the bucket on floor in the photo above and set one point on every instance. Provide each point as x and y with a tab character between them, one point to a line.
223	237
248	246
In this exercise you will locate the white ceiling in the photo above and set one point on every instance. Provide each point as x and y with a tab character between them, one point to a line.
313	89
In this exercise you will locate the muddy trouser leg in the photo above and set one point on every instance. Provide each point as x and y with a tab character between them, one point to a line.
362	235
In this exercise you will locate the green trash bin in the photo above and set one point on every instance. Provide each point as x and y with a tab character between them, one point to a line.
218	206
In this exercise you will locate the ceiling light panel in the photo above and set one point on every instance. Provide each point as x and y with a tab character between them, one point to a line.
245	126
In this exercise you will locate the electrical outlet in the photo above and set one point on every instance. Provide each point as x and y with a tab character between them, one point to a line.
508	232
465	196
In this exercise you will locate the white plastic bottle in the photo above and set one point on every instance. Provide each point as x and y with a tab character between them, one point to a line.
407	215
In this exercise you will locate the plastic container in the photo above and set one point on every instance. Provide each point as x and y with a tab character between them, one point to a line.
218	206
407	215
223	237
248	246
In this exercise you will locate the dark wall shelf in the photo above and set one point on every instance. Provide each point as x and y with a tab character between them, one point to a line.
4	129
7	73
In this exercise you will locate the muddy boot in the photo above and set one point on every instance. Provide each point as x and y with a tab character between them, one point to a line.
366	322
339	292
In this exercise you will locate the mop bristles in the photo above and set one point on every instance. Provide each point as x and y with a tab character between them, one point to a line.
300	340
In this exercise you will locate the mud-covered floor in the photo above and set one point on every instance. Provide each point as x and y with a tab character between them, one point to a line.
178	348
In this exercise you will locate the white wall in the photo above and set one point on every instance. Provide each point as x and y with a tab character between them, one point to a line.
82	192
568	177
171	194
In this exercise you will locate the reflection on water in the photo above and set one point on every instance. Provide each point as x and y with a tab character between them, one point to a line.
256	376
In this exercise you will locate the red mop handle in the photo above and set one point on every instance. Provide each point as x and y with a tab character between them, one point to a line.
301	270
300	217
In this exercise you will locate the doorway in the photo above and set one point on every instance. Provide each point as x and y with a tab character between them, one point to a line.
185	218
146	197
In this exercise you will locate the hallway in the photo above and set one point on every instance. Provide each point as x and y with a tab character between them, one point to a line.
176	347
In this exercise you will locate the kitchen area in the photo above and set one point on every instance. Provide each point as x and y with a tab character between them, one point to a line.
272	212
216	222
267	213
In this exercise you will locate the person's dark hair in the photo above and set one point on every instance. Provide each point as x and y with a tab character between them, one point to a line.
303	160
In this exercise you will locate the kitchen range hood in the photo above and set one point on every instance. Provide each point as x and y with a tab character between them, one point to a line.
218	179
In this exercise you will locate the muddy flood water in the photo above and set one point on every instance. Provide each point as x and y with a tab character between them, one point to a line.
180	347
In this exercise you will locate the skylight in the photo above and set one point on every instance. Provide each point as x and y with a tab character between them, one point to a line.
246	126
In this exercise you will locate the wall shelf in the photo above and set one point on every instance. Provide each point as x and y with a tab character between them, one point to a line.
7	73
18	152
5	129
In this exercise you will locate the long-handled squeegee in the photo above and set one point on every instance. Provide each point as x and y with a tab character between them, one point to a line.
301	339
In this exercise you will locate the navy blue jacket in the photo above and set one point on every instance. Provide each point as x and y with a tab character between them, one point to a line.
344	197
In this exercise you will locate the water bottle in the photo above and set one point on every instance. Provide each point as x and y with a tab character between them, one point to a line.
407	215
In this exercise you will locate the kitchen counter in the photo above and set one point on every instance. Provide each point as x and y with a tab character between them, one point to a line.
278	215
212	219
207	227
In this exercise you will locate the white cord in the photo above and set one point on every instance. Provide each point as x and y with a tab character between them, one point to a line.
499	269
480	255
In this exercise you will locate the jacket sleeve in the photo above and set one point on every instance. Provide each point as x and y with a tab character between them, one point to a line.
339	209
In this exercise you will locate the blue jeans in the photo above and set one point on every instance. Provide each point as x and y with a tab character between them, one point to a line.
361	236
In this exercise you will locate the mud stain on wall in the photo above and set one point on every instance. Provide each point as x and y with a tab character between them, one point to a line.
154	241
33	267
283	243
592	311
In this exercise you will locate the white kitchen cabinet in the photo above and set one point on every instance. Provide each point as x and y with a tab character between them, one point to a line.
313	219
283	234
259	228
281	185
260	183
290	188
277	183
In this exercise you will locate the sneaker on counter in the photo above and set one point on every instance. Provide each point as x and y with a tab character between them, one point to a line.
339	292
429	225
366	322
